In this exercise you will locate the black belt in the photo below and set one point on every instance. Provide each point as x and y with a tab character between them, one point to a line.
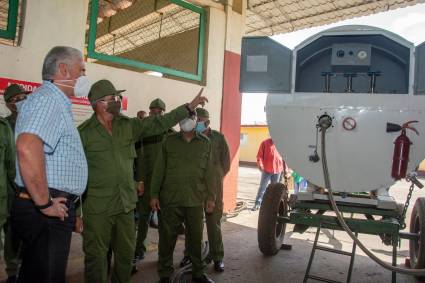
153	139
22	193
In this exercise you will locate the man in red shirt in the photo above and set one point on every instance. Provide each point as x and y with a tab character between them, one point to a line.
271	166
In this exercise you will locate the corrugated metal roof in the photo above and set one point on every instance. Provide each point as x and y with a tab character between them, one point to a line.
270	17
264	17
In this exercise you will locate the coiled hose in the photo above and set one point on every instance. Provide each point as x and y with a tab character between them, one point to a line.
180	275
415	272
240	206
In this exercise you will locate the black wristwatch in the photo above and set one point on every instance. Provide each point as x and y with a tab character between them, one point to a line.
191	112
44	206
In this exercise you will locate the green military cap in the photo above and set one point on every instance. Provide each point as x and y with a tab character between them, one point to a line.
157	103
101	89
201	112
13	90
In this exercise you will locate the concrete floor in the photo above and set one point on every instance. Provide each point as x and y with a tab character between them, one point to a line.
245	263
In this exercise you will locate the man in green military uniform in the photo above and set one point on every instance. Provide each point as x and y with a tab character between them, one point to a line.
221	164
182	182
108	139
12	95
7	176
144	166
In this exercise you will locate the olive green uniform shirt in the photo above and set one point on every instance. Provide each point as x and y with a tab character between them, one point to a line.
220	157
12	122
7	165
151	146
111	188
183	175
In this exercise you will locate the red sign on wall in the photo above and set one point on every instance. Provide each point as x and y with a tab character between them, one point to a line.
31	86
28	86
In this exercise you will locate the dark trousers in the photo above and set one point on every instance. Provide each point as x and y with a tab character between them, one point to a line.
46	242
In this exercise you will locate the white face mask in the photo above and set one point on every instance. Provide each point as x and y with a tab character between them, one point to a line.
187	125
81	87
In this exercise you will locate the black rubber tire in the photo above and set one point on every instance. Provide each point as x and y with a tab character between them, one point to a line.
417	225
270	232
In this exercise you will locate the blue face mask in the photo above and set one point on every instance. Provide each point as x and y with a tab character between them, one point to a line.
200	127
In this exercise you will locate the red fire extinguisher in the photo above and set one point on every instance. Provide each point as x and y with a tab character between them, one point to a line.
401	151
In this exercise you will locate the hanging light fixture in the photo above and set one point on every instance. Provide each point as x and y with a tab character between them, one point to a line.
106	9
122	4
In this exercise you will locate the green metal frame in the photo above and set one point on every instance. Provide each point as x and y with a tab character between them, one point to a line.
372	227
12	19
132	63
348	208
388	225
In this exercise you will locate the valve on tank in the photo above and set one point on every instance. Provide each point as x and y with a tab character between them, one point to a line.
349	83
327	76
373	76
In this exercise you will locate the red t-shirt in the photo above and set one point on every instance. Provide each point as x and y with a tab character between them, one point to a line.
268	159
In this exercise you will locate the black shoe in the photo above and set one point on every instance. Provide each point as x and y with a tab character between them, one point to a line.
138	258
219	266
256	207
12	279
185	261
203	279
164	280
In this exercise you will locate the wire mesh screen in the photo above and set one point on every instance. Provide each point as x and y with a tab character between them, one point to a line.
4	12
10	21
162	35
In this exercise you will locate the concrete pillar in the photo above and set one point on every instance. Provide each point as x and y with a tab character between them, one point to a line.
231	97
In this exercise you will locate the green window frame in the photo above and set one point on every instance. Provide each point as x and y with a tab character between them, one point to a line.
12	18
91	53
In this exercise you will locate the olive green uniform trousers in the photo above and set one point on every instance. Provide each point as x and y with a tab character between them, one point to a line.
110	230
170	220
213	222
144	209
12	245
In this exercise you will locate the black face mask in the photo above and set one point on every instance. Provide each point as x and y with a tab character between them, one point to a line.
114	107
12	107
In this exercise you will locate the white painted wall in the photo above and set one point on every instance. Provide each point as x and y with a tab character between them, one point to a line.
49	23
235	28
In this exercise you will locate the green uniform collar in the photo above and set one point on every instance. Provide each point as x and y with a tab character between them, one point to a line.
197	136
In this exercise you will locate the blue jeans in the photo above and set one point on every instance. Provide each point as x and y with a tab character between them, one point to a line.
300	187
266	178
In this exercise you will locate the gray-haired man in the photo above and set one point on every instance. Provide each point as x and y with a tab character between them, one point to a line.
51	167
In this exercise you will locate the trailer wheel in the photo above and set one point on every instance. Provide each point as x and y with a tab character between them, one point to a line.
417	225
270	231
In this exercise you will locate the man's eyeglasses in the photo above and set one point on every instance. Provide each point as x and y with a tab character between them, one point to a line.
116	98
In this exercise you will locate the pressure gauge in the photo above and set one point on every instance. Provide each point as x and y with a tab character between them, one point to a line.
362	55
